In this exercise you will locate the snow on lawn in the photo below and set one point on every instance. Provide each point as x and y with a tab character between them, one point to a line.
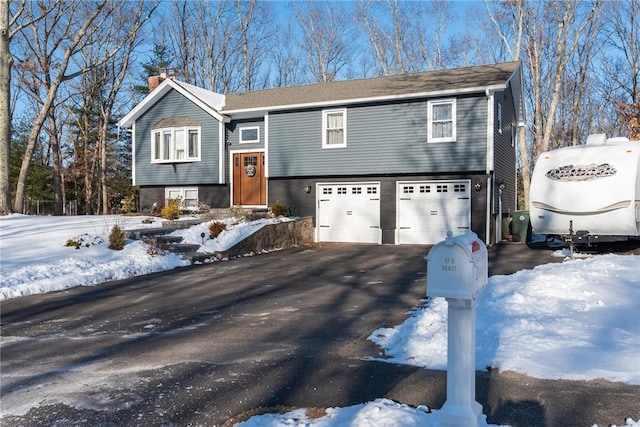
34	258
575	320
379	413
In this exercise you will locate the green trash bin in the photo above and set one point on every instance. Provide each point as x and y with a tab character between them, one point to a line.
520	226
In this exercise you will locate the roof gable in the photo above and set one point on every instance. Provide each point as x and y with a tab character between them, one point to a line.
210	102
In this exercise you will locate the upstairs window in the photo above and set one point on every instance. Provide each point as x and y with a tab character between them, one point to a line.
441	121
334	128
175	144
249	135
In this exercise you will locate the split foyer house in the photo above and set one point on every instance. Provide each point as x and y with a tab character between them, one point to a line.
398	159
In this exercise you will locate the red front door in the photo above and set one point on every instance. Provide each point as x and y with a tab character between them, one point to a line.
249	183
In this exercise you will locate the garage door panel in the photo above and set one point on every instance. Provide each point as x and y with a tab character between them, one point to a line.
349	212
427	210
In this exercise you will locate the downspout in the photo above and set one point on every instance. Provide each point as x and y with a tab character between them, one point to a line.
266	146
221	152
266	156
133	154
489	164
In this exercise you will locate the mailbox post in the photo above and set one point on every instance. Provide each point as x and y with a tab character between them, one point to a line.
457	270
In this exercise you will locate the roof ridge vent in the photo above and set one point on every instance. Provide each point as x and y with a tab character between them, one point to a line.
597	139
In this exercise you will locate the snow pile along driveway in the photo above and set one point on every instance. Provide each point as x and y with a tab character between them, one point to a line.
577	320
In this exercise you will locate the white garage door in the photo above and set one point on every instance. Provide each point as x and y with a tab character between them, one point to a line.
349	212
428	209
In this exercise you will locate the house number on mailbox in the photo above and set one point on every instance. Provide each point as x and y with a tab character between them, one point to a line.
449	265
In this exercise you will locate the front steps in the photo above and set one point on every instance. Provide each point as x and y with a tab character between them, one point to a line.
274	236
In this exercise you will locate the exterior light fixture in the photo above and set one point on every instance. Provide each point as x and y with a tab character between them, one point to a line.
478	185
307	188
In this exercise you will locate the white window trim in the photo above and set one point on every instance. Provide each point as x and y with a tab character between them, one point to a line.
325	113
183	191
249	141
499	114
172	153
430	105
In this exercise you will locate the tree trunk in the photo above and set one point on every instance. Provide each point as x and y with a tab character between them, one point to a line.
525	169
102	141
54	143
5	111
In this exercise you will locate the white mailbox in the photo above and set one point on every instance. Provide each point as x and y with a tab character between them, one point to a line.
457	267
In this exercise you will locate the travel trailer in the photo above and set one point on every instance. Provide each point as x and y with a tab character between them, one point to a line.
588	193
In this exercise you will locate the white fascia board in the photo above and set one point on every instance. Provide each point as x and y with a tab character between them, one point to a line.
516	81
128	120
164	87
187	94
452	92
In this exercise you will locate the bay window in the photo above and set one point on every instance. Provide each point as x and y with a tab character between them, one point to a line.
175	144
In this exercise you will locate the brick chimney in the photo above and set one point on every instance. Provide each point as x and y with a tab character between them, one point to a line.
154	82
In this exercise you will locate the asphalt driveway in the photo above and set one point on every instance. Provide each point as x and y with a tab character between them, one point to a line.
198	345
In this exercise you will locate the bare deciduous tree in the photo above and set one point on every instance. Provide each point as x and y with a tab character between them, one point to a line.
5	110
49	55
620	68
547	37
284	57
9	27
218	45
327	37
412	36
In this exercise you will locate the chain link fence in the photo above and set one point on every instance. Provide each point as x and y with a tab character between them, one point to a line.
46	207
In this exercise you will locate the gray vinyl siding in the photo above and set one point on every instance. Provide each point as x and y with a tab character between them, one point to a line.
381	139
233	135
505	152
215	196
169	174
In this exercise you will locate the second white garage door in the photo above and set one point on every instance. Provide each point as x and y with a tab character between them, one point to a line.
349	212
428	209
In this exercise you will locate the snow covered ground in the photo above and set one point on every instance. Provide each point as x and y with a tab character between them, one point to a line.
582	315
35	258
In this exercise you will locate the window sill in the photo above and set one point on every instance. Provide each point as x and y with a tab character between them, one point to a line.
438	141
164	162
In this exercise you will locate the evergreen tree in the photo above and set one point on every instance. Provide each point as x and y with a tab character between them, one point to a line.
162	60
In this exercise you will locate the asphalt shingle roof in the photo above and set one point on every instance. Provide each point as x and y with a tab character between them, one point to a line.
481	76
